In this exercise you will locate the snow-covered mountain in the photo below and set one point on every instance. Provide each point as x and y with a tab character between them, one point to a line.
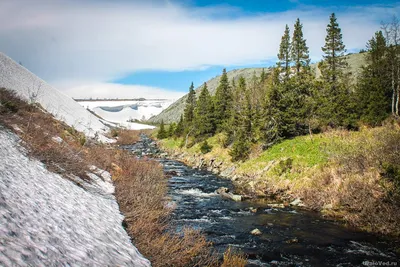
27	85
123	111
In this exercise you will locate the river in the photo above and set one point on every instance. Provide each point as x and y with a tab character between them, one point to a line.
289	236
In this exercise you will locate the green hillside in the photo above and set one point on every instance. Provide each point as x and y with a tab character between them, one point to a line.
173	112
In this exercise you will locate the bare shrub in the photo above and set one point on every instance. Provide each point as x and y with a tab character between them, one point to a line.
232	258
141	190
37	131
128	137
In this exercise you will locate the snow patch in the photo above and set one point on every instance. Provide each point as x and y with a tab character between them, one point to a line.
31	88
46	220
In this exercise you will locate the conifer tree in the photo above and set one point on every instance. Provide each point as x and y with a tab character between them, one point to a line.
179	127
204	114
171	129
263	77
222	102
299	49
373	88
334	49
161	132
190	106
337	107
242	119
284	54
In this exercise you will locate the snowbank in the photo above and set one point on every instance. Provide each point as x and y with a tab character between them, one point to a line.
123	111
46	220
15	77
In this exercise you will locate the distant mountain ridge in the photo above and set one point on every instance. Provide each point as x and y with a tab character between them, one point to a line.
174	111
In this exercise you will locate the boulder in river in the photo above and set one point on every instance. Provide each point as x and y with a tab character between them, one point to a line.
256	232
297	202
224	192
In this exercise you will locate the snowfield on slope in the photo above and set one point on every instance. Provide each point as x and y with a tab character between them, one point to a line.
122	112
27	85
46	220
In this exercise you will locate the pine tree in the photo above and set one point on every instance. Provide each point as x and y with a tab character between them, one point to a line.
263	77
161	132
299	49
204	114
373	88
336	107
222	102
241	147
179	127
242	119
284	54
334	49
190	106
171	129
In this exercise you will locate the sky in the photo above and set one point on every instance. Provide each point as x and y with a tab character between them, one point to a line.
156	48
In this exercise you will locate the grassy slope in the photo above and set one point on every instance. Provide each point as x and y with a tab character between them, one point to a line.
173	112
335	172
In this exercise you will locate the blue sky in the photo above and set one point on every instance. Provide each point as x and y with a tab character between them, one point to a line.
180	80
156	48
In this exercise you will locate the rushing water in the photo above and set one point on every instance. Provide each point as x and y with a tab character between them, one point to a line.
290	237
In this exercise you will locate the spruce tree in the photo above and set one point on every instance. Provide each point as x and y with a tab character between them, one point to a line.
204	114
171	129
179	127
161	132
284	54
373	88
334	49
263	77
242	121
336	93
299	49
190	106
222	102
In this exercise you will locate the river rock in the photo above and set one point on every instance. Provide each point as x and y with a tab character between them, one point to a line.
278	206
253	210
256	232
292	241
224	192
297	202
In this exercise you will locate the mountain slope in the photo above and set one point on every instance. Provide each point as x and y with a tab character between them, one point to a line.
27	85
173	112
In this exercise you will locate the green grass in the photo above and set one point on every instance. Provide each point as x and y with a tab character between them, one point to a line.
171	143
304	151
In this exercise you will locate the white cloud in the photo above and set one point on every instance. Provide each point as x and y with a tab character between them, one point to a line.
106	90
86	42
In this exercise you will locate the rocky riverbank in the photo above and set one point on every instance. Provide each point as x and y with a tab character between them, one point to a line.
325	173
246	186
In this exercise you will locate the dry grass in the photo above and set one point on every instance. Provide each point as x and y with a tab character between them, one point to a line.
141	192
126	137
38	129
233	259
141	186
362	183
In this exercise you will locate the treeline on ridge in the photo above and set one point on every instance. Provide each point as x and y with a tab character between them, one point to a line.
290	100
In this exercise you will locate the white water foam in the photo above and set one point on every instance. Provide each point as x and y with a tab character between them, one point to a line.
196	192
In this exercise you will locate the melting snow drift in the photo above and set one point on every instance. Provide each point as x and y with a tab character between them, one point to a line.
31	88
122	112
46	220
